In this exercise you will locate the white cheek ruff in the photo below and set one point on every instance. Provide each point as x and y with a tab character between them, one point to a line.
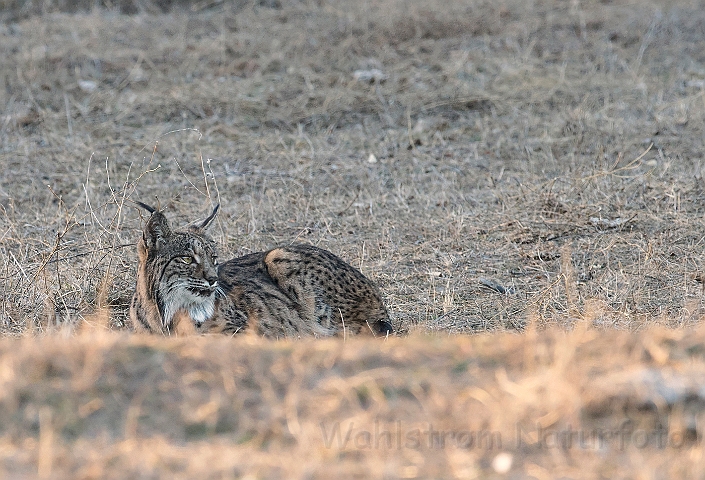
198	307
203	311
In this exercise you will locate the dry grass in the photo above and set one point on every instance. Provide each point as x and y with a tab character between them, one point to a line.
529	131
585	404
521	163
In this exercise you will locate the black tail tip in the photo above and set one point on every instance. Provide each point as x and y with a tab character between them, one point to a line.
384	327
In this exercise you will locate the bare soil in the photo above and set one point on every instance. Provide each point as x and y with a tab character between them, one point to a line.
510	169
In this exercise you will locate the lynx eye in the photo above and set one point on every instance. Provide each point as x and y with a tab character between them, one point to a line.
186	259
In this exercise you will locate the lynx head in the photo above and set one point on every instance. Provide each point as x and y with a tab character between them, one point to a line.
177	271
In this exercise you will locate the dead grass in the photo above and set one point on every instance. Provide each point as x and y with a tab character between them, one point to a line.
520	164
501	135
585	404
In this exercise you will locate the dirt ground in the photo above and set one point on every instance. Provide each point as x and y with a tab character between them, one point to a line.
496	167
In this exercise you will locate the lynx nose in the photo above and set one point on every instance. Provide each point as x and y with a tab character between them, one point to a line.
212	281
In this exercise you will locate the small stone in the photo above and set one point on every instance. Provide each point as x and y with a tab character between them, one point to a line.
88	86
371	76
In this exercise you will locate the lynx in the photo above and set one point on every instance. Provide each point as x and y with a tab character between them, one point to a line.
291	291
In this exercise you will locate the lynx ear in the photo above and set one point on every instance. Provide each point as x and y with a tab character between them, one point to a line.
156	231
206	223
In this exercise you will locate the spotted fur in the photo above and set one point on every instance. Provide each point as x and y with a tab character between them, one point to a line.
292	291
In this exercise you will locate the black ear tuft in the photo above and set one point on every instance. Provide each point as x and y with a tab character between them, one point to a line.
208	220
156	231
146	207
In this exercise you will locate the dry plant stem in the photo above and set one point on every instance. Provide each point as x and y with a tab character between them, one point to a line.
570	280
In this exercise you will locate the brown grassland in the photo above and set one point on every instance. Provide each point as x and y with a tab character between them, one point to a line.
525	181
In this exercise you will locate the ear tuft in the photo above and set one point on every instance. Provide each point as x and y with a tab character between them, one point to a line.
156	231
146	207
206	223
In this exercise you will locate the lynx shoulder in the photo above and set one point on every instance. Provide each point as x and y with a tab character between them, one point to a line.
291	291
